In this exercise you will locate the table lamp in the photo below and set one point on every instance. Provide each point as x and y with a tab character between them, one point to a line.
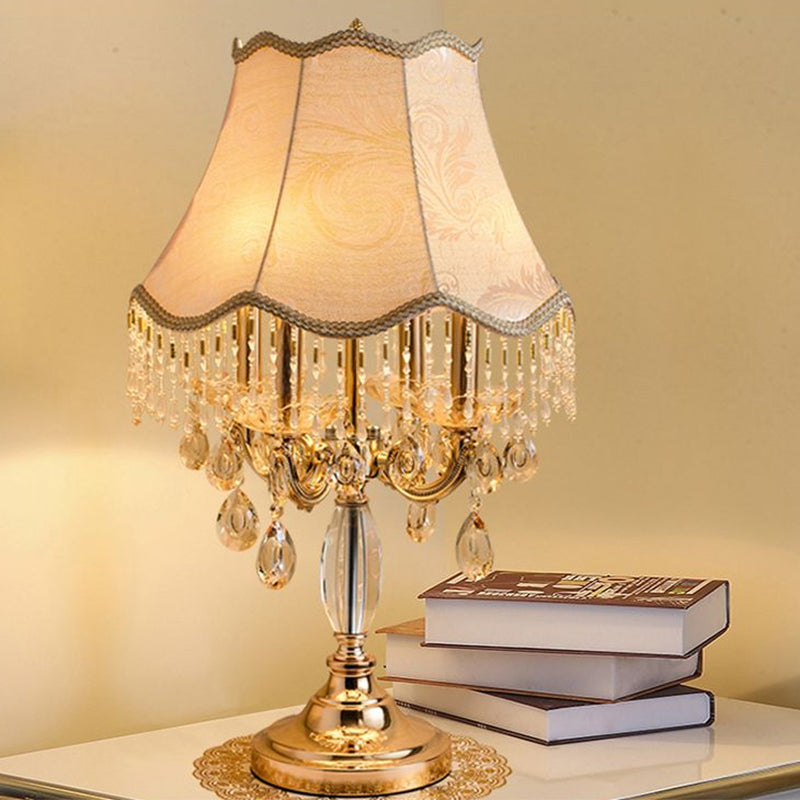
352	295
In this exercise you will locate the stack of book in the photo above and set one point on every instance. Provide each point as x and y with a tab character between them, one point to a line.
555	658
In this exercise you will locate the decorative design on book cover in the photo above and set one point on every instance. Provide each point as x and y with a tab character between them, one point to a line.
561	587
478	769
547	703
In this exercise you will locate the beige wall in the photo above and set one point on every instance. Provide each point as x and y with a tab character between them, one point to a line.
653	148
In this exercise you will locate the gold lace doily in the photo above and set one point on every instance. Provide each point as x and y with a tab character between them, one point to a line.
478	769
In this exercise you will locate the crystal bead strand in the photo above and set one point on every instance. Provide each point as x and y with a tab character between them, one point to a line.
216	380
149	402
470	343
519	419
131	375
137	378
186	361
429	396
252	356
486	421
533	411
340	398
143	362
235	354
226	384
173	404
556	347
545	365
361	431
448	366
323	369
316	372
272	380
569	347
133	356
202	374
386	372
161	395
504	421
406	375
294	378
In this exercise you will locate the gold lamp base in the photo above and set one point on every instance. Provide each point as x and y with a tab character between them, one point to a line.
351	738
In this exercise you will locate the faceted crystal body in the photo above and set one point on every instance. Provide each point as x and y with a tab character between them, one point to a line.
474	548
237	521
276	556
350	572
193	449
421	521
521	461
224	470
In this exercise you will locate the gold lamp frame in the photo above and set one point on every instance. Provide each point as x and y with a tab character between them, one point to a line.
461	352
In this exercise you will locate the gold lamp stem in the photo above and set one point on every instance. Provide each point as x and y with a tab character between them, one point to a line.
351	739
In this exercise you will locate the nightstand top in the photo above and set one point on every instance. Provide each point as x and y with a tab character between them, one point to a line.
753	748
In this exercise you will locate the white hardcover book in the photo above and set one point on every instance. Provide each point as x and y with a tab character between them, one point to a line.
548	720
642	615
583	676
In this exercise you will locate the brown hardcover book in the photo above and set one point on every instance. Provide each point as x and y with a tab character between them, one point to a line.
577	676
546	720
642	615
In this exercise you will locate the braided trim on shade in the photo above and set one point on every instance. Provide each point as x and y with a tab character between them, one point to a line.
349	330
355	38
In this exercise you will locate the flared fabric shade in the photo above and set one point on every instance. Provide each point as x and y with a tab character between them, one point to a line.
353	185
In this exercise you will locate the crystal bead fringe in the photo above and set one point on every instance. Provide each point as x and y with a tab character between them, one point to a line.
184	377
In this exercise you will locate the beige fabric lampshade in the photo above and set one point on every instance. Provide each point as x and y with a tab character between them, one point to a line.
353	185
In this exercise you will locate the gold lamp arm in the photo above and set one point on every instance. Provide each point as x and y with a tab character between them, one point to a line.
310	488
463	446
299	462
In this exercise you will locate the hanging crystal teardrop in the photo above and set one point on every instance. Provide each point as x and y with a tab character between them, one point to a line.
276	556
237	521
474	548
485	468
350	570
224	470
520	461
421	521
193	448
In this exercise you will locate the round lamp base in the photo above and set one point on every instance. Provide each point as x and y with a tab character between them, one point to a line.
402	754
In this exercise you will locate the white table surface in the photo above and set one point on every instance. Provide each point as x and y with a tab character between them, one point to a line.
158	765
